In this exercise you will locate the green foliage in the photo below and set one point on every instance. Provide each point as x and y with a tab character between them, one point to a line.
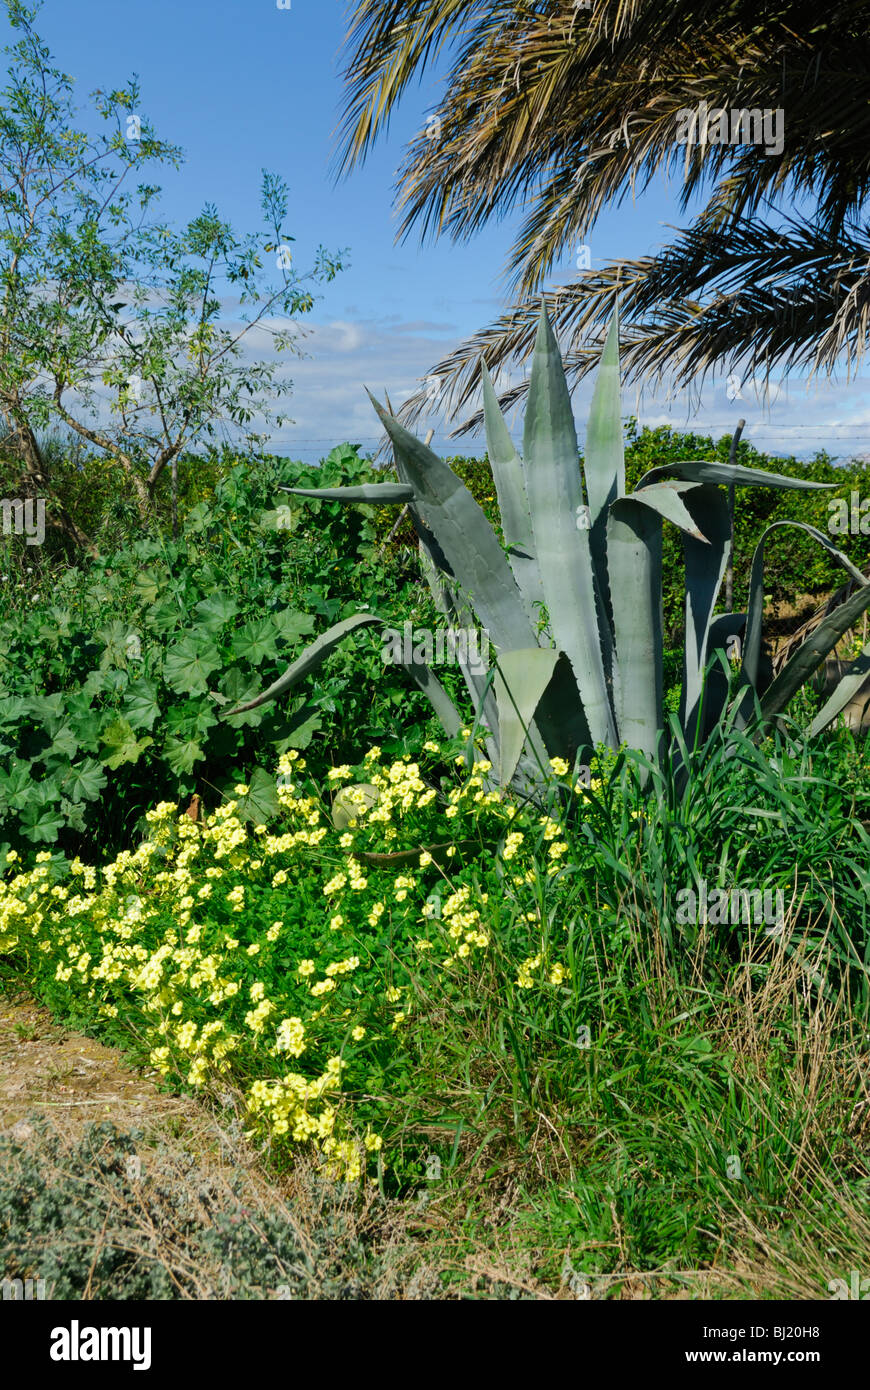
535	1030
569	587
112	675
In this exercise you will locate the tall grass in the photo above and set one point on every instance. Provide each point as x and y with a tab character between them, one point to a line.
688	1112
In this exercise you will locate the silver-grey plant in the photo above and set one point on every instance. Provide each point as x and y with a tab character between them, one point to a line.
572	601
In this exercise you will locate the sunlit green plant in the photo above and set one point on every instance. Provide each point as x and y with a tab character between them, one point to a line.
573	601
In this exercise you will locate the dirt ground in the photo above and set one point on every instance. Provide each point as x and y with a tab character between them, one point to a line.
70	1079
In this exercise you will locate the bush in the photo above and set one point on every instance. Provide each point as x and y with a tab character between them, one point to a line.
77	1218
107	671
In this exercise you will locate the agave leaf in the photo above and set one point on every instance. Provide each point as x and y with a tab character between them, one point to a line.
425	537
716	682
508	475
313	656
604	456
666	499
319	650
808	656
451	720
845	691
560	717
448	602
381	494
465	537
705	569
708	471
755	607
634	552
506	467
555	492
520	682
634	557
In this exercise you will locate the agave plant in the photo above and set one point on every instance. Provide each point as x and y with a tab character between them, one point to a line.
572	601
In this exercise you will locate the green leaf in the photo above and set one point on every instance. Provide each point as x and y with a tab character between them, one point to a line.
16	786
84	781
280	519
255	641
146	587
165	617
238	688
41	825
299	729
260	804
73	814
191	719
520	682
64	745
215	612
49	710
563	552
291	625
181	754
121	744
114	638
140	706
189	664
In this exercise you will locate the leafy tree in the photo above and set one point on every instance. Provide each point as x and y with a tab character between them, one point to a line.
563	107
114	325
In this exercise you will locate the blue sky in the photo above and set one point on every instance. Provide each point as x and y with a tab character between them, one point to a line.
242	85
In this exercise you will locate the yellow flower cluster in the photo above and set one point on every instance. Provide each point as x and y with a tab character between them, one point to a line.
166	934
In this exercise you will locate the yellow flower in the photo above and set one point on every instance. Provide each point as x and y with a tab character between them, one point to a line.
358	1034
557	974
306	968
559	766
524	975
